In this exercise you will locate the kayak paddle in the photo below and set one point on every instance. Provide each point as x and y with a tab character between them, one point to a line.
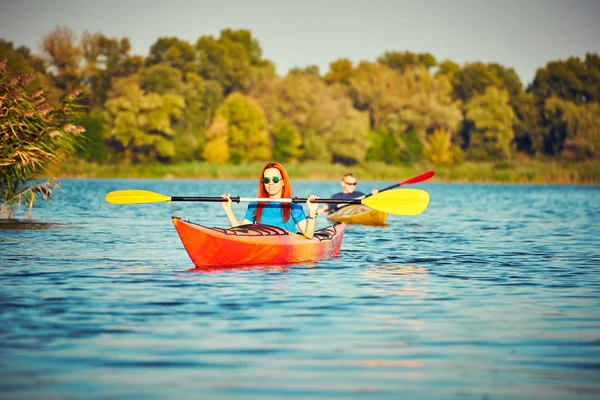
399	201
415	179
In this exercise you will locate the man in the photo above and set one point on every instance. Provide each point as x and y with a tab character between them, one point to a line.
348	192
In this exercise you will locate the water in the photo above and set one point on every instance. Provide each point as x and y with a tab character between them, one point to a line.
492	293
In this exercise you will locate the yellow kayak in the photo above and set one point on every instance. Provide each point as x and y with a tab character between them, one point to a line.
358	214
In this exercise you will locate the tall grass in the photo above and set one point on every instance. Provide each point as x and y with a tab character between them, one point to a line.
521	171
33	134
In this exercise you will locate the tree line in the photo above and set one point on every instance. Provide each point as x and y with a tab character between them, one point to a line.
219	100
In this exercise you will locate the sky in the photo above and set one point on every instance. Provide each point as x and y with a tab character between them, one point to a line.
520	34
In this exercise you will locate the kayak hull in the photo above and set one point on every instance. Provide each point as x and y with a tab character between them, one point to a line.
255	244
358	214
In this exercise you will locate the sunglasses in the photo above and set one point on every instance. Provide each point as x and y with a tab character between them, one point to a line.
350	184
267	180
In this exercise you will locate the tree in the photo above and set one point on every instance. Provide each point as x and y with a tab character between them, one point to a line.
310	70
161	79
217	136
347	141
248	138
580	128
374	87
287	142
473	79
383	146
65	57
106	59
509	80
493	119
528	128
315	148
33	134
340	71
400	61
140	124
174	52
449	69
304	100
232	59
441	149
572	80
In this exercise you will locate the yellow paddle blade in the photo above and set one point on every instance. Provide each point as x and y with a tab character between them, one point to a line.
135	197
399	201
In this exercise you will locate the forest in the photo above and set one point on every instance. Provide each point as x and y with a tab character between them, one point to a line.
219	101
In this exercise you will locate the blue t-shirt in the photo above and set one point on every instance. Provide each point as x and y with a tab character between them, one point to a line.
271	215
341	195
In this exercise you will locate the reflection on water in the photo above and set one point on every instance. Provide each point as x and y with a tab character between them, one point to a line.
412	279
24	225
492	293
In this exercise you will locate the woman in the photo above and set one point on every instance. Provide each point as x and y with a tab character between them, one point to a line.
275	183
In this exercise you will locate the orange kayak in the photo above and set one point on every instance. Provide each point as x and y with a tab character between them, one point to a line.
256	244
358	214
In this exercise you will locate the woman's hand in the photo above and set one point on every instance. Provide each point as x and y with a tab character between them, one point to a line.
227	205
312	207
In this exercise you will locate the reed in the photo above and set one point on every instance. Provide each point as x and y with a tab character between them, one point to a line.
33	135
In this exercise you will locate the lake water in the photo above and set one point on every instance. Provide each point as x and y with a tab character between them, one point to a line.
492	293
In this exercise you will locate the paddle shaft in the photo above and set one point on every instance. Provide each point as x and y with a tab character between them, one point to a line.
237	199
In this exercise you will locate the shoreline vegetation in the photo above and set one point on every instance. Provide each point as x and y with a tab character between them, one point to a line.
516	171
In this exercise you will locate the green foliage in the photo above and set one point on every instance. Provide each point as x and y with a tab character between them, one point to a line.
217	147
33	135
248	138
174	52
244	37
375	87
411	148
449	69
509	80
473	79
21	59
581	124
231	60
311	70
348	140
401	102
400	61
384	146
287	142
161	79
440	150
529	132
493	120
141	124
428	104
173	115
340	71
93	147
106	59
572	80
315	148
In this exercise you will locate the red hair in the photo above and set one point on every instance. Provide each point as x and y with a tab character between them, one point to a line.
286	208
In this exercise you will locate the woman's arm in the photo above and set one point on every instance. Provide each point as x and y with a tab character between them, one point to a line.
228	207
308	225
